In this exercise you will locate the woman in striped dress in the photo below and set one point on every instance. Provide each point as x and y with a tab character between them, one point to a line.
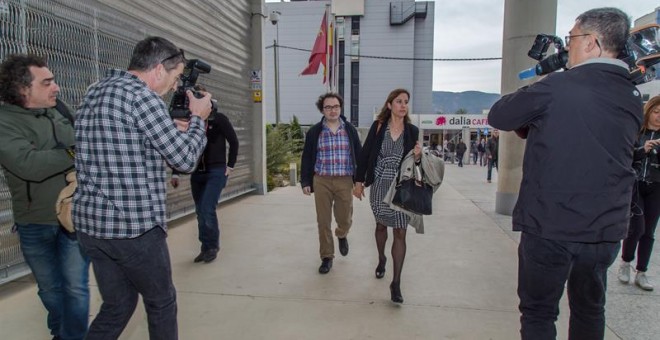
390	138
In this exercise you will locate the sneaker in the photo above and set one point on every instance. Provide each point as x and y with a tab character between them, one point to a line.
326	264
624	272
642	281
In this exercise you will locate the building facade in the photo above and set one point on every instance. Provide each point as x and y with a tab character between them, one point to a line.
380	45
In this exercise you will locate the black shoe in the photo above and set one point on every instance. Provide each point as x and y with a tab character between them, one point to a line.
199	257
343	246
210	255
326	264
395	292
380	270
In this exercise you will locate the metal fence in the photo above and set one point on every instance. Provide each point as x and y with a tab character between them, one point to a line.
82	39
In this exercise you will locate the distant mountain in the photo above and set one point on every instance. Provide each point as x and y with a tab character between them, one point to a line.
474	102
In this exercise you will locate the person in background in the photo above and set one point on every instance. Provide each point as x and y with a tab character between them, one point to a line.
36	153
646	199
481	148
474	152
124	139
460	152
492	146
573	208
328	164
208	180
391	137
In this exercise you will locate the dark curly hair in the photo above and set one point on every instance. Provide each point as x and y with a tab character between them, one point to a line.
15	76
323	97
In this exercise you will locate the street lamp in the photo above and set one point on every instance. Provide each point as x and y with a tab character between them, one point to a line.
274	17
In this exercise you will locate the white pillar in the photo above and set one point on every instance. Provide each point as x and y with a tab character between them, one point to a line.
523	20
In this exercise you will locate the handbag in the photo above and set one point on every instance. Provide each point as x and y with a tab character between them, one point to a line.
413	195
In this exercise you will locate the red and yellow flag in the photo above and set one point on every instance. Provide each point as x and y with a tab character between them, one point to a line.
319	50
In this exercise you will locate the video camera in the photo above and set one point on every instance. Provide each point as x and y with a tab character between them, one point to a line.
641	52
179	103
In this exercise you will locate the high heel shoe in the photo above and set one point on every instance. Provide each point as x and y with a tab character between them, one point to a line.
380	270
395	292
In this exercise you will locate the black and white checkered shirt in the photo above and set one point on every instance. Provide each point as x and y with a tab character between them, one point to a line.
124	137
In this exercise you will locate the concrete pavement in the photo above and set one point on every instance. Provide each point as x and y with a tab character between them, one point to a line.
459	279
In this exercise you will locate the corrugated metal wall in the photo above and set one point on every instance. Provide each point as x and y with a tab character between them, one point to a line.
84	38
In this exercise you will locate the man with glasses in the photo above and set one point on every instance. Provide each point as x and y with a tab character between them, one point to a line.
124	139
574	202
35	137
328	165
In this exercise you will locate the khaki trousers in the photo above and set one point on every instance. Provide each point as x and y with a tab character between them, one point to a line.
333	194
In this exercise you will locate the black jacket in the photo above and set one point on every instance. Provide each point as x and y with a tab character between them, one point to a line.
647	165
492	147
577	175
219	133
371	150
310	151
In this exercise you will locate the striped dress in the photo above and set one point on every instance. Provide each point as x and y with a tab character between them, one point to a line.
387	166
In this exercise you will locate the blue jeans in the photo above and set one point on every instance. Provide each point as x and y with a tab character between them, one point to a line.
125	268
544	266
206	189
492	163
62	274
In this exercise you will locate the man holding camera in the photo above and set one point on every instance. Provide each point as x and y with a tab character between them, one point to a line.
35	153
124	138
208	180
574	201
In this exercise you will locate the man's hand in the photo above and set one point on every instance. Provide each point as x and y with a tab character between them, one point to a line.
228	171
200	107
182	125
307	191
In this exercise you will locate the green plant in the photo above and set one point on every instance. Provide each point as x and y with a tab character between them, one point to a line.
283	146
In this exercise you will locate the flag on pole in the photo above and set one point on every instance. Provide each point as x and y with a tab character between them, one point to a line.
329	66
319	51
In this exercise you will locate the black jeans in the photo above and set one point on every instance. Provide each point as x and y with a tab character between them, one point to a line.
125	268
645	211
544	266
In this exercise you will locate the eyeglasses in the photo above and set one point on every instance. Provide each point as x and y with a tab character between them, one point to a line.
568	38
180	53
332	108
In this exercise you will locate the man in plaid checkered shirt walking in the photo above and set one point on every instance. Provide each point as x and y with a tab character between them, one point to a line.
124	138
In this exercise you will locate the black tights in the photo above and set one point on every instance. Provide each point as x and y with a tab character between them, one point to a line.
398	248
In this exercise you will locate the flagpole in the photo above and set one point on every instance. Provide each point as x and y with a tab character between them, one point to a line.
327	69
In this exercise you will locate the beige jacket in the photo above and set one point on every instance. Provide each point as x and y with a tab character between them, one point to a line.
433	170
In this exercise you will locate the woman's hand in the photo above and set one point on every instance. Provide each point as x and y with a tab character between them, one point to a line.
358	190
417	151
650	144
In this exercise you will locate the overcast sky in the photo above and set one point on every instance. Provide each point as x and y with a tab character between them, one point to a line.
473	29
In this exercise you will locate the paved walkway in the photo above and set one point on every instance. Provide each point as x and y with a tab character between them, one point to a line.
459	279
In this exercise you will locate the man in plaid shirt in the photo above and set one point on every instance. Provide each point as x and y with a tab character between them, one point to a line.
124	138
327	168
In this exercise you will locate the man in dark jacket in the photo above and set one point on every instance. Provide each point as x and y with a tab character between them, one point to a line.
491	153
574	202
332	147
460	152
36	154
208	180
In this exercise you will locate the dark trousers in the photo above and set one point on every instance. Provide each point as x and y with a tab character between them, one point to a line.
460	158
206	189
646	211
128	267
492	163
544	266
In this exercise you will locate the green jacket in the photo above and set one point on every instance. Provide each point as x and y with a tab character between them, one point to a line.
32	160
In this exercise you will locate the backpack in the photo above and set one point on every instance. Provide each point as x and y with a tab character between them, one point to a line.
64	201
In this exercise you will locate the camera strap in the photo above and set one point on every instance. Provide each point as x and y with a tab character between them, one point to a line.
63	110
